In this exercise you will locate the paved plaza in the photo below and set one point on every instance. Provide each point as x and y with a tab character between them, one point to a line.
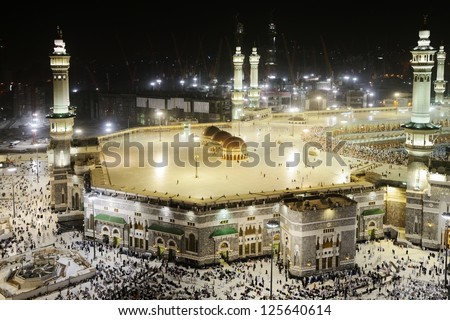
280	158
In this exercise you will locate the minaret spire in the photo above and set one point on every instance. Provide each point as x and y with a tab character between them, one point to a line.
254	92
440	83
58	33
61	124
237	96
420	134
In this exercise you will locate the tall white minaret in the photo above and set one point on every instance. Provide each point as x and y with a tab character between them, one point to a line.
61	124
237	97
420	137
254	93
440	83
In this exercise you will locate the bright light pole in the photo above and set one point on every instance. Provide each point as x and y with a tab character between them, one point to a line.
446	216
319	100
37	164
272	224
14	192
14	197
159	115
196	165
34	135
93	196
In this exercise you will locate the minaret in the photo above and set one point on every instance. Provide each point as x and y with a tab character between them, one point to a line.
239	34
271	52
61	124
253	94
237	97
439	84
420	136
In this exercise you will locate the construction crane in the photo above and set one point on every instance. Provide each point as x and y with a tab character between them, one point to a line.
216	65
289	60
200	61
127	64
177	52
330	72
92	77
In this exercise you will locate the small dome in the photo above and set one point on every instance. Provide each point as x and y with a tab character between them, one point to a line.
233	143
220	136
210	131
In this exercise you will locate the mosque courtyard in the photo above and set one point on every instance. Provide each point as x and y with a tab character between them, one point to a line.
282	156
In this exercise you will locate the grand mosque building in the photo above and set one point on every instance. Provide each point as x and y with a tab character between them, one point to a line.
201	215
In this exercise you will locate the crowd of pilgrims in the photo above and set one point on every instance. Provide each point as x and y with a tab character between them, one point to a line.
135	276
33	223
389	152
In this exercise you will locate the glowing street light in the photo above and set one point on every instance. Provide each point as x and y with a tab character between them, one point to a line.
93	197
159	114
196	165
272	224
34	135
446	216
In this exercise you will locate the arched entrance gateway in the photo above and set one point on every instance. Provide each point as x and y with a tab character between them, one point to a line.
160	247
105	235
116	238
172	256
224	250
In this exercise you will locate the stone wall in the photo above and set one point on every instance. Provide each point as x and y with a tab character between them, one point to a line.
395	213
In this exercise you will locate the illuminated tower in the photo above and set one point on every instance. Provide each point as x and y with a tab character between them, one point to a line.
237	96
253	93
439	84
61	124
271	52
239	34
420	136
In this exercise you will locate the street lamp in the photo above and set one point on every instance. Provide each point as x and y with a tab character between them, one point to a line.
159	115
196	165
272	224
214	239
93	196
319	100
286	264
14	192
37	164
14	197
34	135
446	216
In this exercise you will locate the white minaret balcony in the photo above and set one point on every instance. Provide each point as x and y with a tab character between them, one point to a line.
238	61
422	63
440	83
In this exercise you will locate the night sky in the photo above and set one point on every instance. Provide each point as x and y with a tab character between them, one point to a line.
96	34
